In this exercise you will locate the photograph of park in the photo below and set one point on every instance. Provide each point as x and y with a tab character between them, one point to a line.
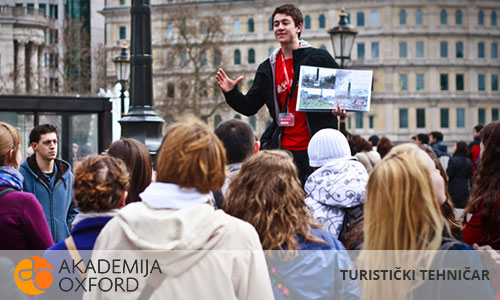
323	88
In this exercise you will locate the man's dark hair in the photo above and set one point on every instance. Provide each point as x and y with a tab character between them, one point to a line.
424	138
438	136
40	130
238	139
289	10
374	140
478	128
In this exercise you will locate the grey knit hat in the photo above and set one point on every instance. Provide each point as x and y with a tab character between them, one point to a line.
326	146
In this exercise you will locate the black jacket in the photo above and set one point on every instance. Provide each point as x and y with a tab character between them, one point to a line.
460	173
263	92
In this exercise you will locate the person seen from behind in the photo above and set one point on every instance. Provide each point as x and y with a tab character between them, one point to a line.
267	193
459	172
22	222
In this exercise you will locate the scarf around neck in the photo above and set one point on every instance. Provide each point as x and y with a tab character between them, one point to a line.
11	177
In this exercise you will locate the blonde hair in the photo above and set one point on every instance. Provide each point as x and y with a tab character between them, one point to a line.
401	209
267	193
9	140
192	156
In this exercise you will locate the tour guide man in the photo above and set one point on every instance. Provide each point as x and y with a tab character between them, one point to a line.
275	85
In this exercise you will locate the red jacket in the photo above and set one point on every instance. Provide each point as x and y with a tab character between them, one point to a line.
473	231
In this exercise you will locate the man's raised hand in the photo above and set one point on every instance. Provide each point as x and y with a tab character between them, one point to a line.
225	83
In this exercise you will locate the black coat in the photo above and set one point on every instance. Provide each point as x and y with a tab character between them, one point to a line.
460	173
263	92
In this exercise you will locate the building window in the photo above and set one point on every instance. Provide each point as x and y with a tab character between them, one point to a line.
250	25
420	82
375	18
494	114
43	7
270	51
170	31
443	80
403	118
252	120
236	26
459	79
270	24
217	58
494	50
445	117
481	82
184	57
480	18
402	17
375	50
493	18
443	49
403	82
419	49
203	28
360	19
494	82
458	17
170	90
443	16
123	33
251	56
53	11
420	117
359	120
322	21
459	50
361	50
122	2
460	117
348	18
480	50
237	57
203	58
419	18
322	47
307	22
371	122
403	50
170	60
481	115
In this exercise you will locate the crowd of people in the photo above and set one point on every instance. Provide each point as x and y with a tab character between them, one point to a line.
305	186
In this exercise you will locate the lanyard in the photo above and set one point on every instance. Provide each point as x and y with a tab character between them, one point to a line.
288	83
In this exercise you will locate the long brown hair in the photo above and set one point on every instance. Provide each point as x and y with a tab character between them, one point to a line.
486	187
267	193
447	208
139	164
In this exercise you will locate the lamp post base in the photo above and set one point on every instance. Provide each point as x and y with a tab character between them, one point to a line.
144	125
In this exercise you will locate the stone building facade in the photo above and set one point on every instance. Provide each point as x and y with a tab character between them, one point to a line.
435	63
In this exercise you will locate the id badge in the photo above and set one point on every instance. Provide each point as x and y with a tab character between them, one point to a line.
286	120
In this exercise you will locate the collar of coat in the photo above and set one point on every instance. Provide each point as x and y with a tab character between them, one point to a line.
62	168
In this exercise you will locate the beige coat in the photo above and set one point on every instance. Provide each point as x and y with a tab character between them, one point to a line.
228	262
368	159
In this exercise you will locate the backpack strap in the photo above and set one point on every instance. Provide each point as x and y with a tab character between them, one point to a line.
6	191
74	253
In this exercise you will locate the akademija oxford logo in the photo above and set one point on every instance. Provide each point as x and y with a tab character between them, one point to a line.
33	276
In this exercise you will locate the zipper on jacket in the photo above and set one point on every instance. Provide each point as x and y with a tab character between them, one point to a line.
51	206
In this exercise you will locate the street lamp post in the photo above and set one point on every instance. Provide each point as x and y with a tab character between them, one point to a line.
342	37
122	68
141	122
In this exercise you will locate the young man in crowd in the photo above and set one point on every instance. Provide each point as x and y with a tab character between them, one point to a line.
239	141
275	85
50	180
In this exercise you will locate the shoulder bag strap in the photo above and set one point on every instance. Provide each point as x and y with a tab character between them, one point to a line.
6	191
75	254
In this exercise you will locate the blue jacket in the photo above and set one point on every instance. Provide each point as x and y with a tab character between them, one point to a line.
314	271
84	233
58	205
